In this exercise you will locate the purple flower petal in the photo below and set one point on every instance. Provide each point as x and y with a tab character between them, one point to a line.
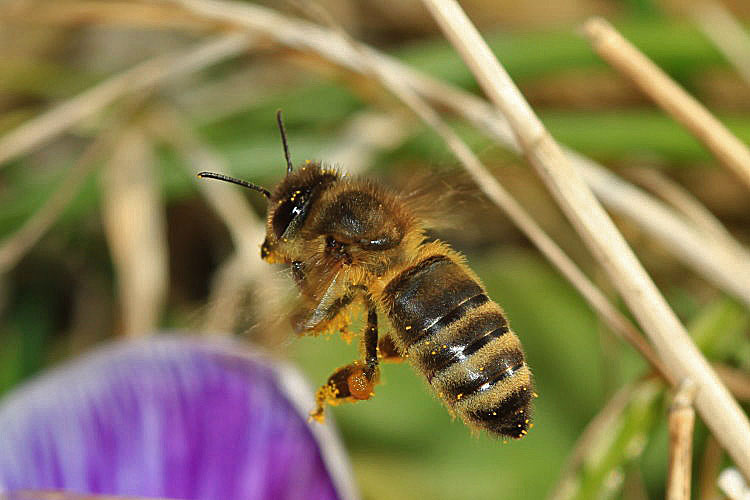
170	417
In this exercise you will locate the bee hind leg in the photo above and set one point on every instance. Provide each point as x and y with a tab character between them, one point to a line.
388	351
355	381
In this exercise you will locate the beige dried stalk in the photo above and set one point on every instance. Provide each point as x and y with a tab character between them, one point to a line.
135	226
737	381
15	246
727	33
681	199
244	270
709	468
597	430
681	425
679	354
60	118
654	82
365	134
725	265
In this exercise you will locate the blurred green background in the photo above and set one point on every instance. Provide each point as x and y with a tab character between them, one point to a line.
82	279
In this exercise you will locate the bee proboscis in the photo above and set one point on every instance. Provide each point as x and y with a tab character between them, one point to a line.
350	241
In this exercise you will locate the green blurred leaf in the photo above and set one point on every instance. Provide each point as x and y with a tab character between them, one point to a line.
679	48
719	328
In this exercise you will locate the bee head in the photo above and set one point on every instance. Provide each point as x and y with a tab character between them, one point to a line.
290	202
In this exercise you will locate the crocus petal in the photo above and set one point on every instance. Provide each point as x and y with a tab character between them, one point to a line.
170	417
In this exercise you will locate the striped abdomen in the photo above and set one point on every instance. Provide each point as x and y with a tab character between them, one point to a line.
460	340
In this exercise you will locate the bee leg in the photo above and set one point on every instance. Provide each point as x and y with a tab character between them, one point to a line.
388	350
370	342
355	381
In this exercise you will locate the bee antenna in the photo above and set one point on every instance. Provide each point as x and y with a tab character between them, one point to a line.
280	121
221	177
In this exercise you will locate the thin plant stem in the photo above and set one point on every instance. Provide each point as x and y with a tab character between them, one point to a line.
682	200
655	83
15	246
709	468
726	32
134	220
681	425
60	118
244	270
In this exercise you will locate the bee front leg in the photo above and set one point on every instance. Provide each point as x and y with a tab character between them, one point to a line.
355	381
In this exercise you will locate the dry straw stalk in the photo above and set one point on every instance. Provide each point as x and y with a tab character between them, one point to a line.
681	425
621	54
135	225
680	356
243	270
727	33
44	127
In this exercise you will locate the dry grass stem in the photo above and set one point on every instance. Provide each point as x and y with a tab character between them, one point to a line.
736	380
681	199
362	138
245	228
117	13
679	354
707	258
725	265
208	102
596	430
244	270
681	425
15	246
622	55
726	32
708	470
135	226
51	123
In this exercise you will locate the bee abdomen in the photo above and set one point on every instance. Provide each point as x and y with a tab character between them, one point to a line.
425	297
461	341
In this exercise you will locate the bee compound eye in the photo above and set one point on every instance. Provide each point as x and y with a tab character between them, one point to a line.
287	212
282	217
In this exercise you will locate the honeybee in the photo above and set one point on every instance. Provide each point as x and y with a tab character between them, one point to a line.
351	242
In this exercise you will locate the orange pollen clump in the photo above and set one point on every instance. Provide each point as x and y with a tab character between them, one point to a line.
359	386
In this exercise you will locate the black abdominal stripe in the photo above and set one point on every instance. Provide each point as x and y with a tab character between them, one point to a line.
460	340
